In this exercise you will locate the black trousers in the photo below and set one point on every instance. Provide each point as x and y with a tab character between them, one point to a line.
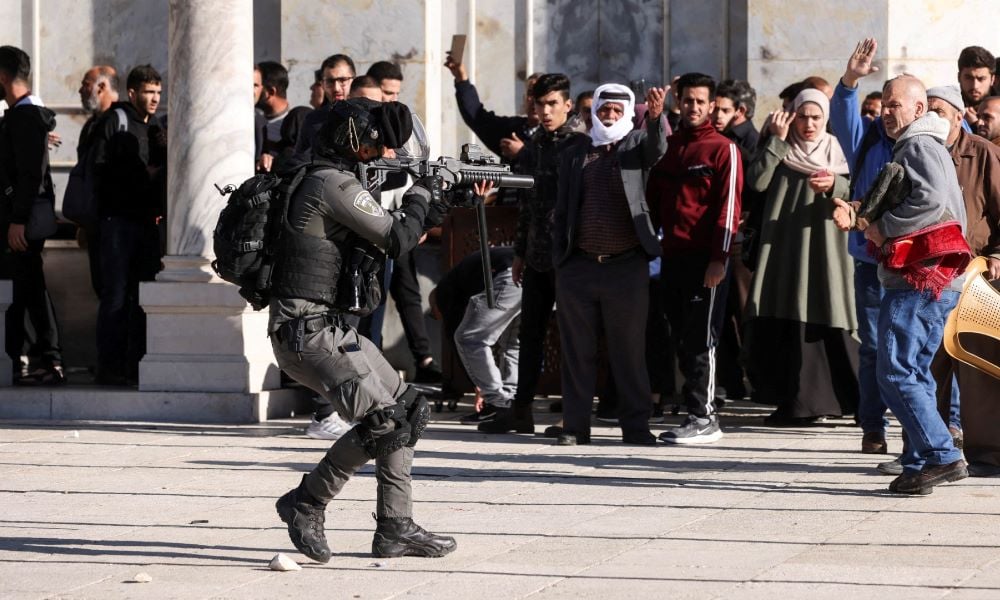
695	314
537	299
405	290
614	297
31	298
130	253
659	354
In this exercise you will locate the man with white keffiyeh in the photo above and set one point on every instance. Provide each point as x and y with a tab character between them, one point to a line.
602	240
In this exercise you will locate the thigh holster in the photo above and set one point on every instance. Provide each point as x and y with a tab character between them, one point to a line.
418	413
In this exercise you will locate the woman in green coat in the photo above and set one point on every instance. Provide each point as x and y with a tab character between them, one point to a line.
799	352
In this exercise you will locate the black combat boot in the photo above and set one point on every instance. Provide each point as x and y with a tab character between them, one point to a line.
518	419
403	537
305	522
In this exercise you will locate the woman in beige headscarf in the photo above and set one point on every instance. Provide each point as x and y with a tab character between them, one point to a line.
800	315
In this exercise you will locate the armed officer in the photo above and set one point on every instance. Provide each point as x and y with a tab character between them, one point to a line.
332	220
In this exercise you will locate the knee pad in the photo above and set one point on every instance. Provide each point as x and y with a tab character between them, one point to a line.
383	443
418	413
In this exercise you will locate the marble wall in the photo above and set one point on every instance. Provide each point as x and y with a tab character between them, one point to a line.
770	42
600	41
788	40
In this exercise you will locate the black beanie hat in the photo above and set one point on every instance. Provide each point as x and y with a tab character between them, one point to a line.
393	119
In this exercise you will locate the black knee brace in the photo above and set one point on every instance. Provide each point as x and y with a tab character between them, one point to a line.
384	443
417	413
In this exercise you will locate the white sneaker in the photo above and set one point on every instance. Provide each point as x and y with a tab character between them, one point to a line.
330	428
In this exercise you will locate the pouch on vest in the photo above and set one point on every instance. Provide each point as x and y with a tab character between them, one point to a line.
359	290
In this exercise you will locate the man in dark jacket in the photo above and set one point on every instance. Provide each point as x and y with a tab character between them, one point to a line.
735	101
698	186
130	162
532	265
507	136
25	180
491	128
602	239
338	72
98	91
281	123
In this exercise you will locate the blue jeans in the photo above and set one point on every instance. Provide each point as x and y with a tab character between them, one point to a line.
867	298
954	405
484	329
910	328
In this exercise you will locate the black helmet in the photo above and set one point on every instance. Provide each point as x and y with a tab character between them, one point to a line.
360	122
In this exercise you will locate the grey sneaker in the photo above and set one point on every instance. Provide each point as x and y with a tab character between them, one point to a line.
694	430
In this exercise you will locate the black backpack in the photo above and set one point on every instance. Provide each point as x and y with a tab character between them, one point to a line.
248	231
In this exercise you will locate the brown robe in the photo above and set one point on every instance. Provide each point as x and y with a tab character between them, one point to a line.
977	163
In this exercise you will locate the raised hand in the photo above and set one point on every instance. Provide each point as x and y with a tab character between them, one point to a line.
511	147
860	63
457	69
779	123
655	97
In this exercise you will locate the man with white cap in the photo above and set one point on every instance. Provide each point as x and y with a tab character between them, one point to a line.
602	240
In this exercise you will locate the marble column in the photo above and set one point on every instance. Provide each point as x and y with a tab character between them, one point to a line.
201	335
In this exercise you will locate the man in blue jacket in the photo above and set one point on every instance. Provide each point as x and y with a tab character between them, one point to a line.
867	149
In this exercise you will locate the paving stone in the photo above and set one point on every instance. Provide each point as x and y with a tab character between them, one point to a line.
764	513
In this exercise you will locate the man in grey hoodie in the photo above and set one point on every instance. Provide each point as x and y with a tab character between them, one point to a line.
911	321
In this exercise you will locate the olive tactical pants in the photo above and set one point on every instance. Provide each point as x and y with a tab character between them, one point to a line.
350	372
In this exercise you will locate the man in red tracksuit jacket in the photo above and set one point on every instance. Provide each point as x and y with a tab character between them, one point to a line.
697	189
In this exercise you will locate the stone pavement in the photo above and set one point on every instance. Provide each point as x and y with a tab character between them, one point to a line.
765	513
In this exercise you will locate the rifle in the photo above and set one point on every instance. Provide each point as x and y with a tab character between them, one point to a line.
459	175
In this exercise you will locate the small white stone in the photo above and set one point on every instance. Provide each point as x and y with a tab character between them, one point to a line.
142	578
282	562
74	434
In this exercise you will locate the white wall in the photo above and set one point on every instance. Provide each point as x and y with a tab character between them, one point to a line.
788	40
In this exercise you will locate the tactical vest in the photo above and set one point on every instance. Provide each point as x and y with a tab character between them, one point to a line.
307	266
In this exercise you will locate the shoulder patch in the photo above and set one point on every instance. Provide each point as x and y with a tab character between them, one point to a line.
366	204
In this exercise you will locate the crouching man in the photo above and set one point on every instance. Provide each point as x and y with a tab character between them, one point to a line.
331	217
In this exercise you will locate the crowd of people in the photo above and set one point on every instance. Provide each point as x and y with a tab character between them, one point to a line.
665	232
764	282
